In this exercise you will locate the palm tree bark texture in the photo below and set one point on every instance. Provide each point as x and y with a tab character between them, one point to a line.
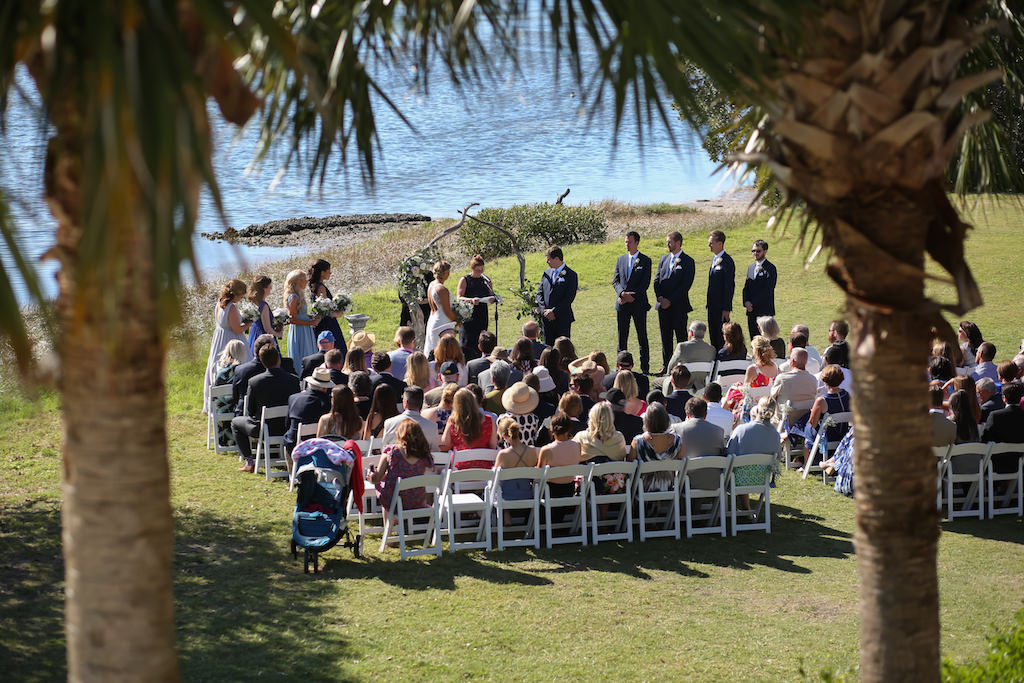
859	133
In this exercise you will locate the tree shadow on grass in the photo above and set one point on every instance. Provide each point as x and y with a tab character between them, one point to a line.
31	592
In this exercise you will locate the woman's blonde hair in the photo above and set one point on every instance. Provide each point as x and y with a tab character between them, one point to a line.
626	383
509	429
230	290
601	360
355	361
292	286
233	353
761	350
466	415
601	421
448	392
441	267
570	404
769	326
448	349
417	370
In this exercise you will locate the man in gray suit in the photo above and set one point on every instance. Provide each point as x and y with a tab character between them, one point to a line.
693	350
943	429
700	437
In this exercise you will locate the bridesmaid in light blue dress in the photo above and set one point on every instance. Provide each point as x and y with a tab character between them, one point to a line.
301	335
229	326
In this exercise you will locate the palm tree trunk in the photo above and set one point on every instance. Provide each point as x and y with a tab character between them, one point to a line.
118	526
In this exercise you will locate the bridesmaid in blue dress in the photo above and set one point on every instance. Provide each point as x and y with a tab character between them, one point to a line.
301	337
264	324
229	326
319	273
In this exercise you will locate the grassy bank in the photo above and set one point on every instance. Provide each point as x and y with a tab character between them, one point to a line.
755	606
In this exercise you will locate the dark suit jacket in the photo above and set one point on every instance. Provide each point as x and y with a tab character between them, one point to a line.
673	280
995	403
475	367
240	382
397	385
1004	426
643	385
760	290
305	407
311	363
538	347
629	425
338	377
722	284
270	389
675	403
637	282
558	295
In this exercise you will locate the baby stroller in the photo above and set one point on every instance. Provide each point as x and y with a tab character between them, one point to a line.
323	470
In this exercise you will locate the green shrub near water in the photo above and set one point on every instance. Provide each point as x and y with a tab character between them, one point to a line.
536	226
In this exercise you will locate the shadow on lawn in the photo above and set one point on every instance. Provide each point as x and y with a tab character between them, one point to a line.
1003	528
31	592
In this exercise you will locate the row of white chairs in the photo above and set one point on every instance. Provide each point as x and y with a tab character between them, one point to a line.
699	495
967	483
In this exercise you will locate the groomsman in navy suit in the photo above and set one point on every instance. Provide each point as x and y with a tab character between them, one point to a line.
555	295
759	288
672	285
721	287
631	279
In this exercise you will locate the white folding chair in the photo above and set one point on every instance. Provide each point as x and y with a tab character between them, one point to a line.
417	524
372	511
270	447
941	463
761	489
963	371
306	431
455	504
531	527
704	483
729	372
1014	481
215	417
965	472
365	446
658	497
622	524
478	457
577	504
706	367
442	461
757	393
822	440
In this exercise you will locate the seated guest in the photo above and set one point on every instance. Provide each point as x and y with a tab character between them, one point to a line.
500	373
675	402
405	340
798	340
520	402
769	328
269	389
449	374
700	437
324	342
600	441
417	372
230	359
364	341
842	463
797	387
693	350
408	457
734	348
657	442
943	429
383	406
551	359
966	384
756	436
343	420
362	391
486	343
566	350
1006	426
624	362
334	361
837	332
570	406
832	356
835	400
247	370
449	351
412	402
583	386
761	372
971	339
940	370
561	451
440	413
545	387
990	399
985	367
717	415
307	407
629	425
382	366
520	356
656	396
626	382
960	411
355	361
545	408
1007	372
467	427
951	353
531	330
485	379
516	454
589	366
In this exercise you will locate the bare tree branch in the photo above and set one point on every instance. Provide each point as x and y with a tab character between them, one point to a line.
562	196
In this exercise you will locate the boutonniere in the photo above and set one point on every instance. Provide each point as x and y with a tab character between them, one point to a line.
718	268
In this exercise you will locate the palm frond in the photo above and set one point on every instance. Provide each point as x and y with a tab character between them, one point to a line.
12	323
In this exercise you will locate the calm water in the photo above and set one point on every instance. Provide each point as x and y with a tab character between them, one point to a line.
521	138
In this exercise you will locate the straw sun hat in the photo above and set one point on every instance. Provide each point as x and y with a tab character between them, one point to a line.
520	399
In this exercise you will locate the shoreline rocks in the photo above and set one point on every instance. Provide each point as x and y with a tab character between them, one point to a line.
298	231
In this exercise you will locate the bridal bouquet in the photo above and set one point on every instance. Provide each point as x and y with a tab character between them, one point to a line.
342	302
322	307
280	318
248	311
463	311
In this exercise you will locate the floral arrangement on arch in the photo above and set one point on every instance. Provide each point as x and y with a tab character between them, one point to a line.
412	273
526	298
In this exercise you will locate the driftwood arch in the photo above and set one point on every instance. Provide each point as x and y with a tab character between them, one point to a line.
415	313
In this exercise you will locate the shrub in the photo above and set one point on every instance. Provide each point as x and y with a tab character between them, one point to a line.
536	226
1005	660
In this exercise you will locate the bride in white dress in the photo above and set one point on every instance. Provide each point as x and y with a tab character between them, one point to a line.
440	299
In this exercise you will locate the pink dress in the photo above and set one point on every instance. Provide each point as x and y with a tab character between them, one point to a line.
398	466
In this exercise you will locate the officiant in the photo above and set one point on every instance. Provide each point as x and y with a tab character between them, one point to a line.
475	288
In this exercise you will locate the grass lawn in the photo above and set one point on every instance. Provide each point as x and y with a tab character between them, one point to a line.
752	607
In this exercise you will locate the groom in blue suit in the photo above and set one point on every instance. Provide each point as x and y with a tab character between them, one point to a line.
555	295
631	279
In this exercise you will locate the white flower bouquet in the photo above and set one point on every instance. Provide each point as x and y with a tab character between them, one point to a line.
342	302
248	311
322	307
280	317
463	310
412	273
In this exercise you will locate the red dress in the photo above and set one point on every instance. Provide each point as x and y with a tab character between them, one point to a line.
482	441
